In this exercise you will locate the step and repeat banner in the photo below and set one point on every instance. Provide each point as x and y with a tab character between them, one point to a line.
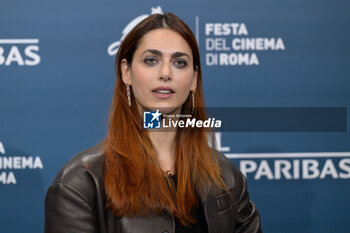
279	70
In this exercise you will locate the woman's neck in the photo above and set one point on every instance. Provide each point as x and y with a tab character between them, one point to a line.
164	144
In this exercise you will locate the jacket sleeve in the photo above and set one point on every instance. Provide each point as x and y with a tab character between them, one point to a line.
248	216
67	211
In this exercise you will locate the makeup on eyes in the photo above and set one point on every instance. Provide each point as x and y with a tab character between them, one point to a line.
152	60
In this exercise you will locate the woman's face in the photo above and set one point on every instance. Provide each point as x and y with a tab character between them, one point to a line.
161	72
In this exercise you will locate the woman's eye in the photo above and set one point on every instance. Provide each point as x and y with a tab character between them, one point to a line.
150	60
180	63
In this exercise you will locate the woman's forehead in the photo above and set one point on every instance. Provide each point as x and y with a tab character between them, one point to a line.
164	40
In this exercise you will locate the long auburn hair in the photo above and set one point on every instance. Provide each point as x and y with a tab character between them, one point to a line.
134	182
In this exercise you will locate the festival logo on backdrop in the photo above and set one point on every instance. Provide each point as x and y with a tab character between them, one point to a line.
20	52
226	43
10	164
113	48
230	44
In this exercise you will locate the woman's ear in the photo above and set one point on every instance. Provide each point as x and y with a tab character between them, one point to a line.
125	68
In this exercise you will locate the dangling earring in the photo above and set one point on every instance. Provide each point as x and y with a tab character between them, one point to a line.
193	104
128	94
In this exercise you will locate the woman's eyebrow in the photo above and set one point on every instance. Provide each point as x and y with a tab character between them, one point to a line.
159	53
153	51
179	54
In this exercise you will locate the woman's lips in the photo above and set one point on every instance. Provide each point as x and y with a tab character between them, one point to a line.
163	92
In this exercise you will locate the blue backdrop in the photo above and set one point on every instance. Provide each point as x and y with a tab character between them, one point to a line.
57	78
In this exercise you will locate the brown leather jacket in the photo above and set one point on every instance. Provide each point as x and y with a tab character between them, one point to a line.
75	202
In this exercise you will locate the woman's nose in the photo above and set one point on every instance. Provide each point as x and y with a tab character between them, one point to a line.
165	72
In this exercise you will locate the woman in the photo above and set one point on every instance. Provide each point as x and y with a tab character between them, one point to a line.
141	180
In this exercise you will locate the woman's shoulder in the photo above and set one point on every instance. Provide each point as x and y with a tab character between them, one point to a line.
83	172
232	176
76	193
225	163
88	161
